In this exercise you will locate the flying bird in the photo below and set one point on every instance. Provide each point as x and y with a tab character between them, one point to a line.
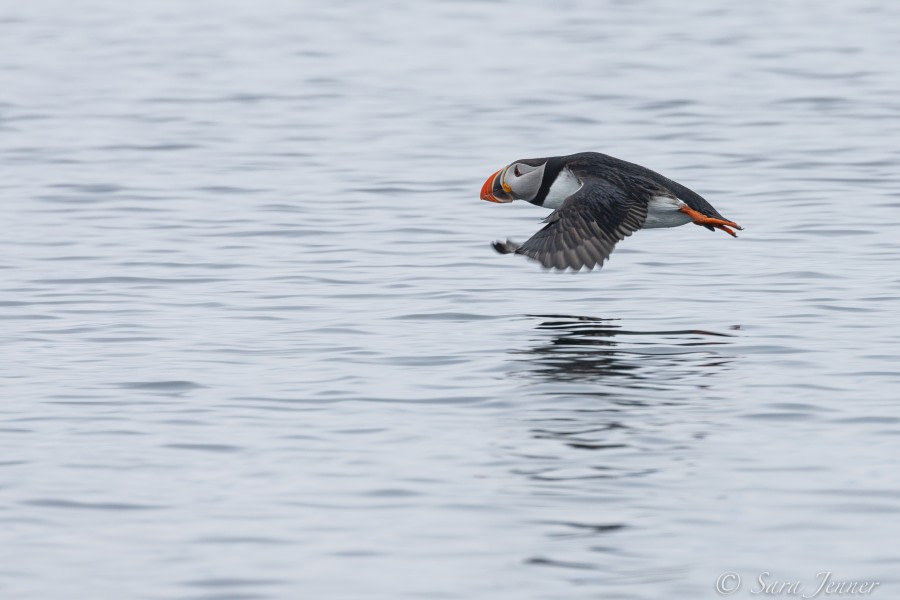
598	200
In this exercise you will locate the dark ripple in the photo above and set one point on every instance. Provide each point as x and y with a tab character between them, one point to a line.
129	280
161	386
227	596
204	447
90	188
563	564
585	529
444	316
231	582
242	541
102	506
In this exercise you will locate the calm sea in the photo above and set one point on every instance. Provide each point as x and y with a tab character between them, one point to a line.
255	343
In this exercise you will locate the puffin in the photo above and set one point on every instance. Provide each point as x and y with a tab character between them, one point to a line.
597	201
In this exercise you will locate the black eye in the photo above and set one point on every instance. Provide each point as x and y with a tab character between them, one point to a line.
516	171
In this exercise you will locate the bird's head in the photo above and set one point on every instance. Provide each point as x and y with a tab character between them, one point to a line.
520	180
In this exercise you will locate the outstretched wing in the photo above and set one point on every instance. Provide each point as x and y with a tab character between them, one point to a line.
583	231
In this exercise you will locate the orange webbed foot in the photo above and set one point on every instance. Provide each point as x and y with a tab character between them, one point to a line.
700	219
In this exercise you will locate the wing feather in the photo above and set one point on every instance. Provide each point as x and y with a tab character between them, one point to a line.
583	231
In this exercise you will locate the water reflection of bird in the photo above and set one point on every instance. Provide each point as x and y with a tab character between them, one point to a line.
590	348
606	383
605	423
599	200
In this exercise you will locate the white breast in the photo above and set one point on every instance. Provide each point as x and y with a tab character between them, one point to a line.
662	211
562	187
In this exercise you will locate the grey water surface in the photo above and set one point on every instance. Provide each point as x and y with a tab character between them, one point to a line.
255	343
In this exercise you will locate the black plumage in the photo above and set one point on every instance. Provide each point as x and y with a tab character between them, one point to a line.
612	203
583	231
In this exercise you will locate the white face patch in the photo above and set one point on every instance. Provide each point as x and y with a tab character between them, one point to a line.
523	180
564	186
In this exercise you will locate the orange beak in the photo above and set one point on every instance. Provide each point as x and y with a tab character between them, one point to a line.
494	191
487	188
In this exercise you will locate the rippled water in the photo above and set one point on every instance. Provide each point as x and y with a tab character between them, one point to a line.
256	344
